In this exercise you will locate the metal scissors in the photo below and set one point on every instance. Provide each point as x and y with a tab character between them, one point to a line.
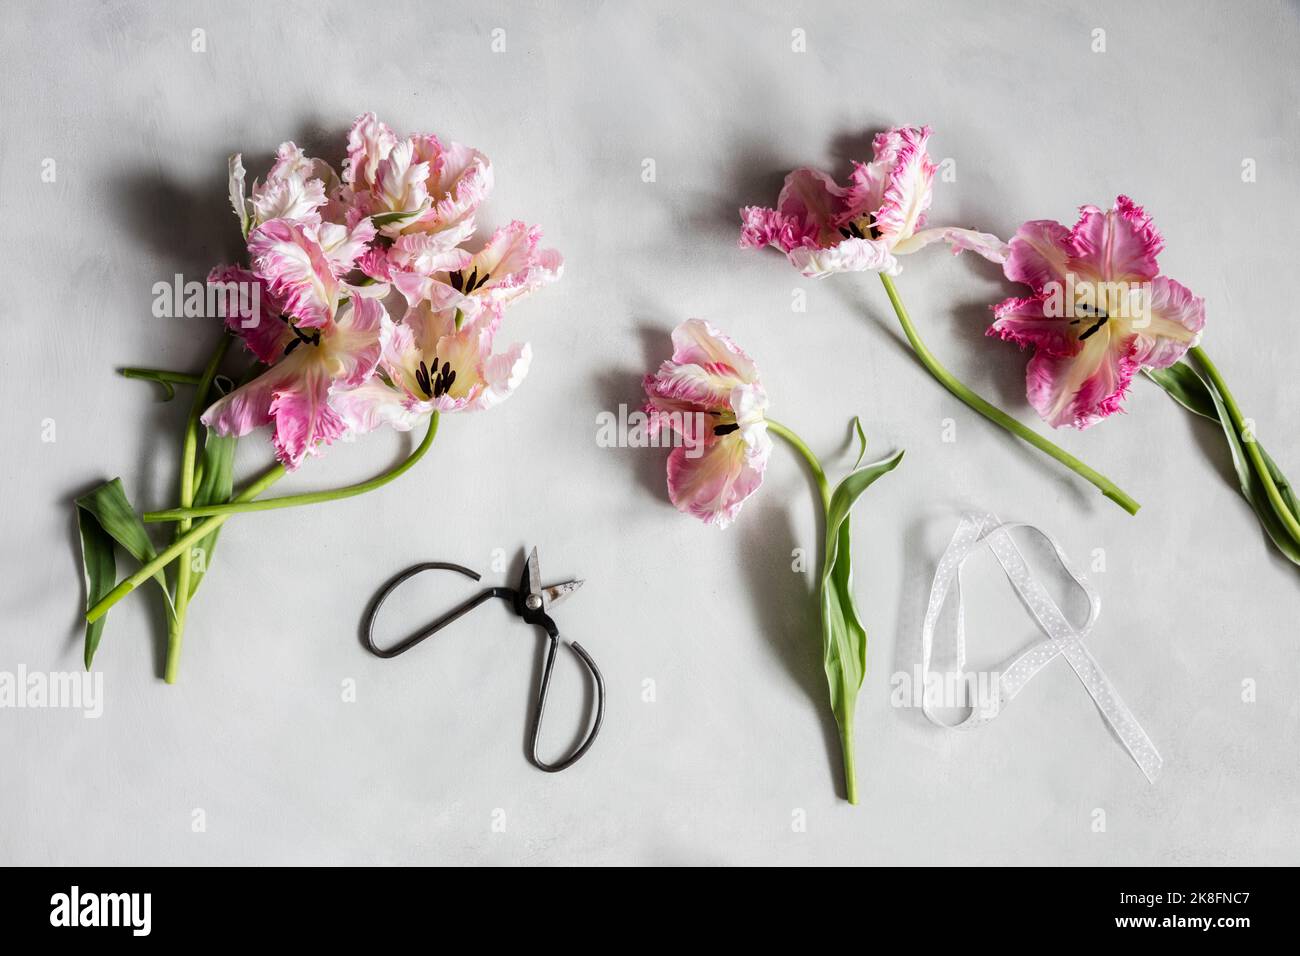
530	601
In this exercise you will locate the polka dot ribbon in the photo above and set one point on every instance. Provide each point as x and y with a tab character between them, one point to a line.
1063	638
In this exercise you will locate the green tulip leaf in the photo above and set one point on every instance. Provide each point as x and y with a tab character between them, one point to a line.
105	516
862	440
1187	388
844	639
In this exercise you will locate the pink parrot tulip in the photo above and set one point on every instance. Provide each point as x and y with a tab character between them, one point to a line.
710	375
824	228
1099	311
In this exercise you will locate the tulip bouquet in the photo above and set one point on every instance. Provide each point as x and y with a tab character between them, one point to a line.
329	255
711	399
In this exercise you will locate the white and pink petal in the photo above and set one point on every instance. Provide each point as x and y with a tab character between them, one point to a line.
289	258
260	327
1082	389
513	263
909	186
369	143
1027	321
983	244
290	199
713	482
400	192
344	247
305	422
847	255
1119	244
460	179
1174	321
1039	254
502	373
762	227
373	405
813	204
350	349
292	396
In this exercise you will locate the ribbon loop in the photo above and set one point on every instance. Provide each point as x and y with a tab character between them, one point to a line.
1063	638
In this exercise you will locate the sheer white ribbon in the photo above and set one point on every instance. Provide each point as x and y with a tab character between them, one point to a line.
1063	638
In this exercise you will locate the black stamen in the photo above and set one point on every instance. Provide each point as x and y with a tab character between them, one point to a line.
1093	329
725	429
422	379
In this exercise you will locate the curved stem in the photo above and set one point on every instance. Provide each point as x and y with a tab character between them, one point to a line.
160	375
240	505
1252	447
814	465
181	544
168	379
189	452
995	414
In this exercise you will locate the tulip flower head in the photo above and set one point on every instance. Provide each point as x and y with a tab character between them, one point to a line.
509	265
295	394
824	228
1099	311
436	360
709	378
414	185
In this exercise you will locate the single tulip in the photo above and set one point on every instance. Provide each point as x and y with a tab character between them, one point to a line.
718	465
1100	312
710	379
824	228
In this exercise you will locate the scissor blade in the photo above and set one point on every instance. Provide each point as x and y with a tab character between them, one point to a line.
558	592
532	575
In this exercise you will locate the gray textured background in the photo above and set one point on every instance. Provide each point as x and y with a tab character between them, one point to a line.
257	735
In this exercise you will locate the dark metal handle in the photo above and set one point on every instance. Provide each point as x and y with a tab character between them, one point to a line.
553	639
368	631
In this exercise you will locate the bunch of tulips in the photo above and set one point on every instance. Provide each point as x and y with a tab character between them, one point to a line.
364	303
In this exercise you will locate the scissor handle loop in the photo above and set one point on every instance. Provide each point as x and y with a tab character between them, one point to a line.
553	643
368	629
